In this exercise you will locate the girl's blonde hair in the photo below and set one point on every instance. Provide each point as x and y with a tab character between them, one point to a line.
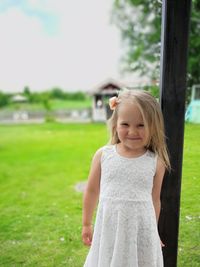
152	117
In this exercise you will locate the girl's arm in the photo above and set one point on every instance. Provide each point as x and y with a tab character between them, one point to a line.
157	184
90	198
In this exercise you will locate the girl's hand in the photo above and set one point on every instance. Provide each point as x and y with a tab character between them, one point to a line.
162	245
87	233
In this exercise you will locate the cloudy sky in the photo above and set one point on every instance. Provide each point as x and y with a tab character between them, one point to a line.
65	43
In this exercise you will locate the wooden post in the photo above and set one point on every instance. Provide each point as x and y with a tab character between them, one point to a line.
174	47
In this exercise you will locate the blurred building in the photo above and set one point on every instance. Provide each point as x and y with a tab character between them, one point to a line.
101	94
19	98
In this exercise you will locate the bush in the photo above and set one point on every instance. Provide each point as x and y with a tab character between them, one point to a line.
75	96
4	99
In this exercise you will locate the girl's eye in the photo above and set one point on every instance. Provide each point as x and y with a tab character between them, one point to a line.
124	124
141	125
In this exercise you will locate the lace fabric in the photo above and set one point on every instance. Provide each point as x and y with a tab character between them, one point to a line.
125	232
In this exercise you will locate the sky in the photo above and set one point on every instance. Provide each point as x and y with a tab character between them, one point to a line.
57	43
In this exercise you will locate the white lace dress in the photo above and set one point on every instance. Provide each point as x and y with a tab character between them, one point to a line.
125	232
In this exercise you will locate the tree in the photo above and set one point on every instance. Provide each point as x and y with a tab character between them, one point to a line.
26	91
57	93
194	45
140	24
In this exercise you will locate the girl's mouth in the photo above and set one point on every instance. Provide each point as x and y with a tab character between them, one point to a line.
134	138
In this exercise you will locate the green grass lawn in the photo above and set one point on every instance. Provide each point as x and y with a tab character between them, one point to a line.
54	104
189	236
40	212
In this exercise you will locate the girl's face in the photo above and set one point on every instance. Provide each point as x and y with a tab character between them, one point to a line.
130	127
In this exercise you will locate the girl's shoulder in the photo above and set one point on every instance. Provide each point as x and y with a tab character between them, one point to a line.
107	148
103	150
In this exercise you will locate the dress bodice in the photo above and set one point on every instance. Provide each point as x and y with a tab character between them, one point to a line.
126	178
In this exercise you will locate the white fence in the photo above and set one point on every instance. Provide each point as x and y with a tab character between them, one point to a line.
23	116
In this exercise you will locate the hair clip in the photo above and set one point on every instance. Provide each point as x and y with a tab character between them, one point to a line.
113	101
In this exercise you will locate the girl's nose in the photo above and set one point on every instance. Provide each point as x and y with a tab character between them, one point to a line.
132	131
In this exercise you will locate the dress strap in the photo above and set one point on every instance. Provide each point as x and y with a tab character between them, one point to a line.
107	151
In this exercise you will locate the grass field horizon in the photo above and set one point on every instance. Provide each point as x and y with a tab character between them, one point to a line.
41	211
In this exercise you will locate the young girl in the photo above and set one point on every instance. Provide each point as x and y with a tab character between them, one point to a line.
126	177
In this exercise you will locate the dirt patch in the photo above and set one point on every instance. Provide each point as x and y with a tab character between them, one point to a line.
80	187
